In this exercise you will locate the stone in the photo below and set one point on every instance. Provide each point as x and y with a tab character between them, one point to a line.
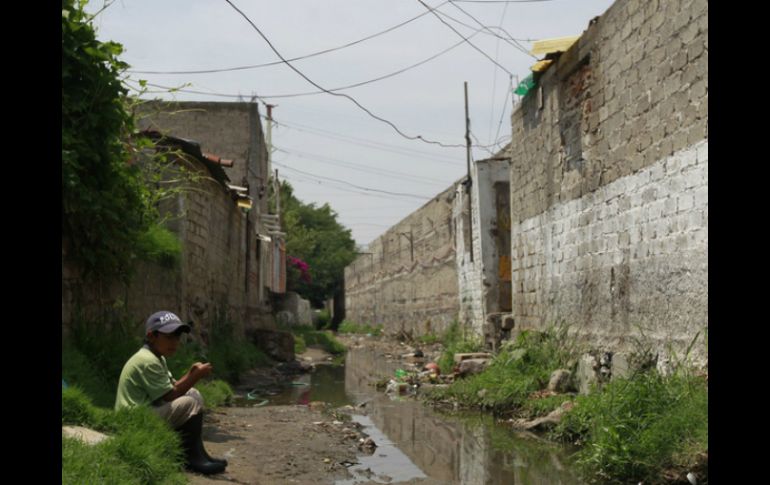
586	373
276	343
621	367
472	366
474	355
86	435
561	381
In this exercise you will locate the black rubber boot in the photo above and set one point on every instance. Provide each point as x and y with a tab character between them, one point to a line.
195	455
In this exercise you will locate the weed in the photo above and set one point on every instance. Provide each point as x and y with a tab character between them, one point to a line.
351	327
633	428
142	448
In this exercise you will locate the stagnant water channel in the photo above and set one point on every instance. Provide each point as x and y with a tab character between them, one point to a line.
414	441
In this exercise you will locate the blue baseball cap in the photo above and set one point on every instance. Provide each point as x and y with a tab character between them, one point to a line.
165	322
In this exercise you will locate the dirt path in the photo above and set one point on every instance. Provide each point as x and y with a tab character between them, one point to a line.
284	444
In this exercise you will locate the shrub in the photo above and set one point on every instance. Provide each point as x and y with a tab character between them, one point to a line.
633	428
160	245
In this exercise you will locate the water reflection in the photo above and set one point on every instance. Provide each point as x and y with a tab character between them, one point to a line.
471	450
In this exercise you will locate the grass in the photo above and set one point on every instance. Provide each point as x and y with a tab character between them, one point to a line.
634	428
515	373
306	336
351	327
142	448
455	342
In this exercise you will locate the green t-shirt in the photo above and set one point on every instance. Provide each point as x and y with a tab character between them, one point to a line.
144	378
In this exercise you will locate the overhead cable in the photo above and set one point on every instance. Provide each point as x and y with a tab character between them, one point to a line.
325	51
362	168
463	37
368	189
389	123
515	43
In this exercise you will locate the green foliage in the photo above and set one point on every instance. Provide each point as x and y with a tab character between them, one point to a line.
104	202
215	393
533	408
96	352
515	373
160	245
299	343
324	319
455	342
229	354
634	428
429	339
323	338
142	448
315	236
351	327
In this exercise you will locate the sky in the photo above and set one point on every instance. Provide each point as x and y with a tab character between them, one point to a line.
412	65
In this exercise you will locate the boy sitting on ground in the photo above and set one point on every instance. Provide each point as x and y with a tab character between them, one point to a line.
146	380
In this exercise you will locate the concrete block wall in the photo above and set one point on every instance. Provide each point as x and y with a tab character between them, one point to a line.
470	274
387	287
609	185
478	276
230	130
212	230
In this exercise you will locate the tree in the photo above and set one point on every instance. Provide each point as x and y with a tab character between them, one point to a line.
314	236
105	205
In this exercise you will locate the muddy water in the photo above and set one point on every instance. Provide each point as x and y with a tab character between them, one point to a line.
415	442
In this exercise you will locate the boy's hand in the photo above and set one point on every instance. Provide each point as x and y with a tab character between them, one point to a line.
200	369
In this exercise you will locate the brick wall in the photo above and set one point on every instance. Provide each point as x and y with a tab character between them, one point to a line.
609	184
408	286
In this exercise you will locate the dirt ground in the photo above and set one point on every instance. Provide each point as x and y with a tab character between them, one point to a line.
285	444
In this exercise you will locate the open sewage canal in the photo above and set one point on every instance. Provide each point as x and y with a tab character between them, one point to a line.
416	442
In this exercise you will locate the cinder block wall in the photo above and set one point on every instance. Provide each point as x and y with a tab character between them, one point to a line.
212	271
386	287
609	182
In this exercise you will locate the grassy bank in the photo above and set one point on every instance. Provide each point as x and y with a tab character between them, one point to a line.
355	328
647	427
92	359
515	373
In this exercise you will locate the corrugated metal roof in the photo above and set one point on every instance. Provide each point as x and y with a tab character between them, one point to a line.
558	44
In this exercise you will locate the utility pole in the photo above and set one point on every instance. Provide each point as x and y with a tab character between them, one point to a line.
270	136
468	160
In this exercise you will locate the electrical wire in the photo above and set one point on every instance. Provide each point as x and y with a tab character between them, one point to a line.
494	78
503	1
409	137
505	105
307	56
363	83
365	169
366	143
295	178
368	189
515	43
462	36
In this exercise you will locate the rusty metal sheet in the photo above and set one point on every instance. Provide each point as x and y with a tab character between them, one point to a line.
504	268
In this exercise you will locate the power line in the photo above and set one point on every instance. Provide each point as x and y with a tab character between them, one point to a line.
368	189
515	43
463	37
502	1
363	83
325	51
365	169
494	79
365	143
418	137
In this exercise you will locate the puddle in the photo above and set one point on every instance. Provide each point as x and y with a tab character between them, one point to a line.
387	464
414	441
